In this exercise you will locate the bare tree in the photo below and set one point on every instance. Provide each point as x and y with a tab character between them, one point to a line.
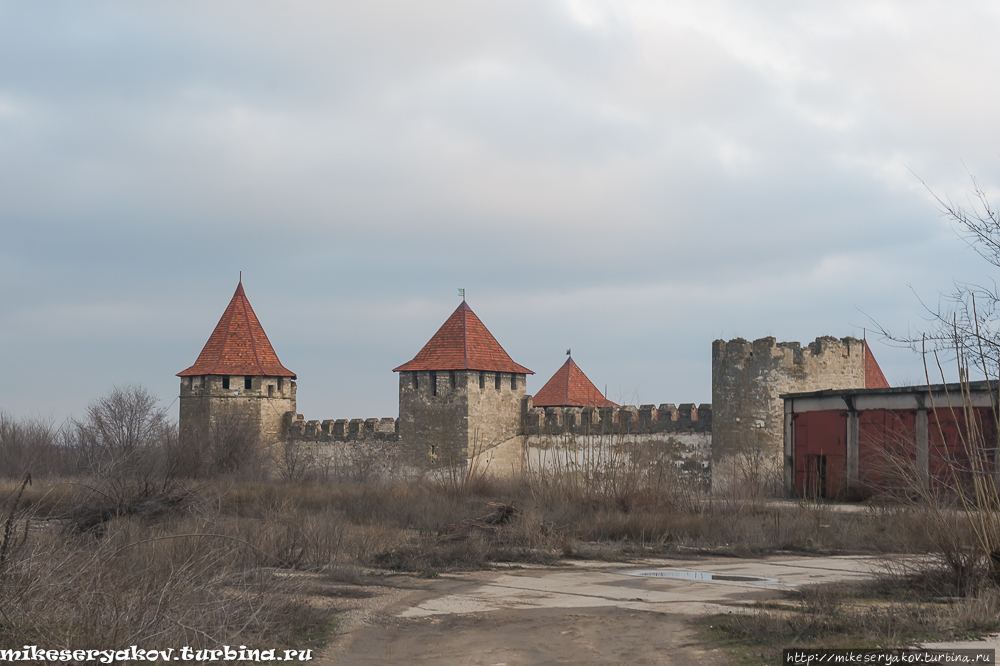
124	433
962	502
965	324
123	421
30	445
234	445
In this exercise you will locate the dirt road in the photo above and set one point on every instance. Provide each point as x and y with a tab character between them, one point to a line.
579	613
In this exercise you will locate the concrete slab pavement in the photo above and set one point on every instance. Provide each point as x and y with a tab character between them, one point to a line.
598	584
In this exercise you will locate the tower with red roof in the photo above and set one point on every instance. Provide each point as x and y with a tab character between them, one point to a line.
462	393
237	377
569	387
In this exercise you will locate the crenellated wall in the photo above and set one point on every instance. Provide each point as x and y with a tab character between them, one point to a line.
340	430
625	419
681	435
595	441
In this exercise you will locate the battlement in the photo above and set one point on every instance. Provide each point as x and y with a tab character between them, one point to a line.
340	430
823	348
622	420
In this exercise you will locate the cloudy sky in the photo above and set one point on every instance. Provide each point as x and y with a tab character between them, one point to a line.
629	179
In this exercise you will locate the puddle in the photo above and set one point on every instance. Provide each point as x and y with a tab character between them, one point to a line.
701	575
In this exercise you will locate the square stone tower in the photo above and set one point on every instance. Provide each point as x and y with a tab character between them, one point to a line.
460	394
237	379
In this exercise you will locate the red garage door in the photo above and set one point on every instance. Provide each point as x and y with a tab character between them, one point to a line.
820	453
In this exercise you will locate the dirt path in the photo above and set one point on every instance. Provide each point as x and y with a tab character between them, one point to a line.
606	635
579	613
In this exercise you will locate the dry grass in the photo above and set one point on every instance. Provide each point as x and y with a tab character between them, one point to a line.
207	561
173	584
892	611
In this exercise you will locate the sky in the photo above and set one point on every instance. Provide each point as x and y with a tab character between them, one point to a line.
631	180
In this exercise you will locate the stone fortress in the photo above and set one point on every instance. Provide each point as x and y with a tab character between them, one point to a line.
463	397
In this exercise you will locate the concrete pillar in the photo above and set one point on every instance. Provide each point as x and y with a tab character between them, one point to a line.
922	446
852	451
789	450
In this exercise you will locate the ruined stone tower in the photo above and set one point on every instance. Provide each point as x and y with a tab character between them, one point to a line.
237	378
748	377
460	393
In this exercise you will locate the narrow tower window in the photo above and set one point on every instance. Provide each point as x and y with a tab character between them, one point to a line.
496	380
225	382
416	384
280	383
454	382
270	390
434	383
482	380
248	383
513	381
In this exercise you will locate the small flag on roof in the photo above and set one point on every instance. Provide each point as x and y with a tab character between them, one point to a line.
461	292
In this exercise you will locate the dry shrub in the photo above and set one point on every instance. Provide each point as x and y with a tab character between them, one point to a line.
164	570
138	584
523	538
611	470
31	445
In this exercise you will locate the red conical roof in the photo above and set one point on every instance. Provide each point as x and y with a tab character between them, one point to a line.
569	387
463	343
238	345
873	373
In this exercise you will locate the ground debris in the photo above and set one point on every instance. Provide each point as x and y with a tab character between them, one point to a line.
500	515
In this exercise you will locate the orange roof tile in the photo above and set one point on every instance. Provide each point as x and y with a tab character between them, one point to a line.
238	345
873	373
569	387
463	343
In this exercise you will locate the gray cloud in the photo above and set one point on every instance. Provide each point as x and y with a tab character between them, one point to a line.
631	180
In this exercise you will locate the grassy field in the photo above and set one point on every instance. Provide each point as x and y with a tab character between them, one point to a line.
896	610
88	563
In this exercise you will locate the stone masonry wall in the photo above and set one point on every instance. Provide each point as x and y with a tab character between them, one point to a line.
203	400
527	435
625	419
444	415
748	377
340	430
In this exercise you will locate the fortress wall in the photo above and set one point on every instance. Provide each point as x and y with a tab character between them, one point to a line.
622	420
340	430
551	439
686	453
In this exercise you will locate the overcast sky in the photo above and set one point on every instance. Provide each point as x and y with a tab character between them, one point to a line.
631	180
